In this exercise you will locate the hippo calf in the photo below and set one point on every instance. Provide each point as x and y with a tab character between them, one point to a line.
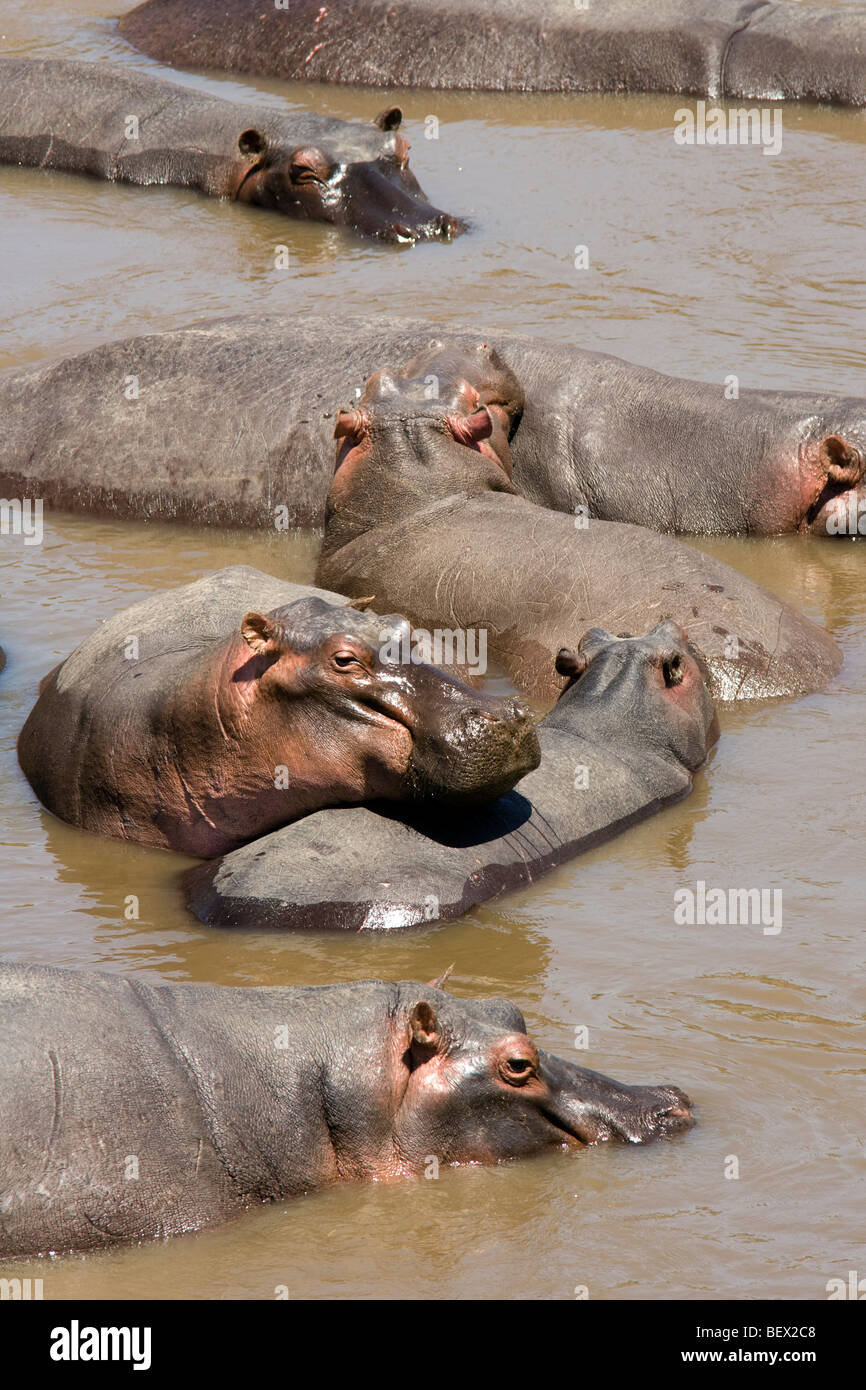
424	512
195	722
129	1112
128	127
634	722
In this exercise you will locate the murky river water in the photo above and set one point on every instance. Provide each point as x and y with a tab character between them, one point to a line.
702	263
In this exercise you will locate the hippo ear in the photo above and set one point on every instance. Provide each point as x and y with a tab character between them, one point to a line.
571	664
261	634
252	145
440	981
389	119
470	429
423	1025
841	460
360	604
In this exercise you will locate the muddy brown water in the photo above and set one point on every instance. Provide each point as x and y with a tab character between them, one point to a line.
703	263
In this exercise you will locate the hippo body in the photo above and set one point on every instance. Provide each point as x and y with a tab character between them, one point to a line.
534	580
129	1112
424	513
623	741
193	721
76	117
716	48
621	442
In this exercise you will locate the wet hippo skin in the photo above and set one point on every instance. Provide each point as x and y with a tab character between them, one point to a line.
75	117
713	48
251	401
425	513
228	1098
625	738
207	715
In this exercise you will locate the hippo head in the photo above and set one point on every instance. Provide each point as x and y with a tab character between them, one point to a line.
472	1087
362	181
440	427
659	681
832	494
328	692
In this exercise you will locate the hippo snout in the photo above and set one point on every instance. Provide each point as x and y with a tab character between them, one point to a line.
505	729
669	1112
478	755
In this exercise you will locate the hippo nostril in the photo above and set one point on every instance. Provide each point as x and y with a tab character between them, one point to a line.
446	227
485	714
514	712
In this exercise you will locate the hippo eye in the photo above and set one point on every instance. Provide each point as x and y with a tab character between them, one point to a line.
517	1069
344	659
299	173
309	166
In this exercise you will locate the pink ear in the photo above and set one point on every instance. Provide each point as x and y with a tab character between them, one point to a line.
348	422
841	460
470	429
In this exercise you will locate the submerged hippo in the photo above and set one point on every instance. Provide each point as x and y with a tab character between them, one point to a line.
129	1112
424	513
633	723
619	441
717	48
190	723
79	117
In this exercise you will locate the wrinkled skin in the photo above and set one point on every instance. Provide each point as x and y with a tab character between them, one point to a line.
717	48
71	116
620	441
227	723
369	1081
423	511
635	717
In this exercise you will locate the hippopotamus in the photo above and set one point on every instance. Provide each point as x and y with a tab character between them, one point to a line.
717	48
131	1112
195	721
424	513
79	117
598	436
633	723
